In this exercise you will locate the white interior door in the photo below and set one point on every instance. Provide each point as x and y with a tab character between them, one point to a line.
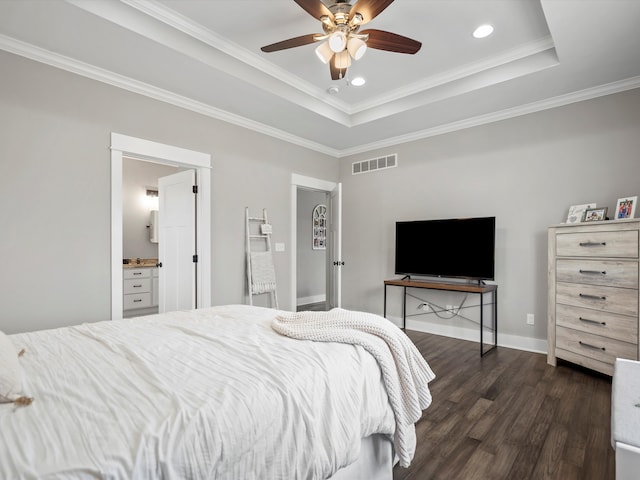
177	242
334	274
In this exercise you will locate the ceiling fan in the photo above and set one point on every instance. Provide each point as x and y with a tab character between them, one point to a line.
342	39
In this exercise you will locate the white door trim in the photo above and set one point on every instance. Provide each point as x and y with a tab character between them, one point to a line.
313	184
140	149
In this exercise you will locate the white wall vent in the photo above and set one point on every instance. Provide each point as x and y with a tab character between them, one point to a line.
370	165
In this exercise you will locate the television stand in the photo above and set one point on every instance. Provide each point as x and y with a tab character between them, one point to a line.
481	289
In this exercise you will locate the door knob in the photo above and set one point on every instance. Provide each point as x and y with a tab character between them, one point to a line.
159	264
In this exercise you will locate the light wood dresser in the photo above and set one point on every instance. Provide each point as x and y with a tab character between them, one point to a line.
593	293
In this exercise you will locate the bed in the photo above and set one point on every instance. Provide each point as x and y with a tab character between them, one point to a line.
212	393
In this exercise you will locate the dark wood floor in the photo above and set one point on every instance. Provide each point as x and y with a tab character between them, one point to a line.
509	416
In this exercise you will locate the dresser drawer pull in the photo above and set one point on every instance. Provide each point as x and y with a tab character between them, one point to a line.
591	321
137	273
588	345
592	297
136	286
593	244
137	300
593	272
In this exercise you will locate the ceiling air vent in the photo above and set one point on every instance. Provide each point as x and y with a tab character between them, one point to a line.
372	164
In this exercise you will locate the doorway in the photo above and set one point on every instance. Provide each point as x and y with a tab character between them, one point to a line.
145	150
140	247
311	250
333	260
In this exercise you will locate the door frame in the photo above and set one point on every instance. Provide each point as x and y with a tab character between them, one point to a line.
149	151
302	181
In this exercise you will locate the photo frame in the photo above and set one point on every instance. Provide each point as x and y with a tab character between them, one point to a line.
626	208
595	214
576	212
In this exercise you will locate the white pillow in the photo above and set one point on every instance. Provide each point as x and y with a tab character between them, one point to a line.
10	371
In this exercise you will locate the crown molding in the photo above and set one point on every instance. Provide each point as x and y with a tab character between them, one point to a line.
71	65
533	107
68	64
467	71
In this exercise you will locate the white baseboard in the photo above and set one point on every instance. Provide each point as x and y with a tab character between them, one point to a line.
517	342
311	299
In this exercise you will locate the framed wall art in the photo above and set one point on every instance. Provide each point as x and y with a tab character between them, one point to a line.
319	225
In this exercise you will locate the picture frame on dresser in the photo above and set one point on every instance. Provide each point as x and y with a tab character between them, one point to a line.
576	212
595	214
626	207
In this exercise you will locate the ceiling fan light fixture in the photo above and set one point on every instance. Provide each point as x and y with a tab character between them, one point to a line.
324	52
483	31
357	19
343	60
356	48
337	41
326	20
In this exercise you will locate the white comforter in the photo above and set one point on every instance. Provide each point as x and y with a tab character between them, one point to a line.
405	372
213	393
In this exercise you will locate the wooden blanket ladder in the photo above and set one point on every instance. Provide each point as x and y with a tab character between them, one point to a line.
261	274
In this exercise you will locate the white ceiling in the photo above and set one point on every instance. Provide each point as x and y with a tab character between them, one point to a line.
205	56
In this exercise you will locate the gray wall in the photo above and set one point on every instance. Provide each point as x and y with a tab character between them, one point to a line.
137	176
311	265
526	171
55	191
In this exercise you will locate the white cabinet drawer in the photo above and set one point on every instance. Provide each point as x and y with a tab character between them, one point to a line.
620	244
137	285
609	299
136	273
598	272
137	300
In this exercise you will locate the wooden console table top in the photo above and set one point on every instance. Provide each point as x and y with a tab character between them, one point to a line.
457	287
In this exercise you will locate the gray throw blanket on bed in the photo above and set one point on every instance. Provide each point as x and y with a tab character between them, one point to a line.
405	372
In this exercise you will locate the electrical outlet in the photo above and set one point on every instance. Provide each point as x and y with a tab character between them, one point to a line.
449	308
531	319
424	306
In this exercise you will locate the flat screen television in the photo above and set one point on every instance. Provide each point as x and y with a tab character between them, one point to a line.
454	248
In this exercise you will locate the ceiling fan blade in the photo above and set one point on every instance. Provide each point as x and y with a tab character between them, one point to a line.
391	42
315	8
290	43
369	9
336	73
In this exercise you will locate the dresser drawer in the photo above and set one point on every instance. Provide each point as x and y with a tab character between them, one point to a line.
610	325
136	273
609	299
137	285
620	244
594	346
598	272
136	300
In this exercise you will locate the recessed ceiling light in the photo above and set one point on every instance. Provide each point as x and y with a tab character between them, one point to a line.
483	31
357	81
